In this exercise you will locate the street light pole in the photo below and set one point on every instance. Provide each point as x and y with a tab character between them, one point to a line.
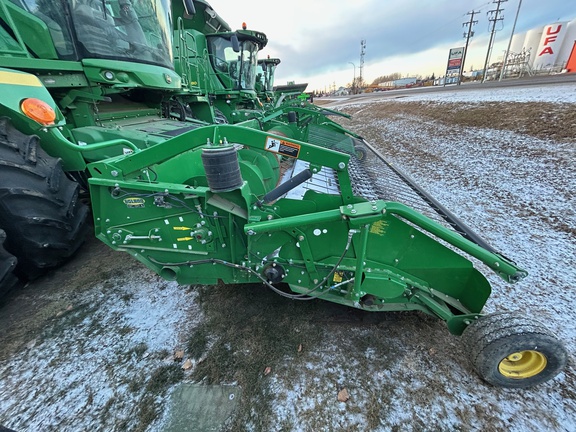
354	81
510	42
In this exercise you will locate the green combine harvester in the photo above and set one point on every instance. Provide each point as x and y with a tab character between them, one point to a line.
265	79
129	102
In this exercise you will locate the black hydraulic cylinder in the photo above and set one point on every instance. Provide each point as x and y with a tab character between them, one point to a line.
276	193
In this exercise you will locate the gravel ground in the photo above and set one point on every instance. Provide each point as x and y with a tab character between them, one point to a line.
92	346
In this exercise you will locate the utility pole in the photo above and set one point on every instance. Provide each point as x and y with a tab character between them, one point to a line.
354	80
468	34
362	52
510	42
495	17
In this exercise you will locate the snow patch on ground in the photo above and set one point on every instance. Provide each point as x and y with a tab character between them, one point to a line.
86	370
519	193
559	93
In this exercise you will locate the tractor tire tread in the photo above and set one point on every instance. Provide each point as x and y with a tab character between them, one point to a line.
7	266
494	326
489	339
39	207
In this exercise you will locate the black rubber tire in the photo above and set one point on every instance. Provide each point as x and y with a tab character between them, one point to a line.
493	338
361	152
219	117
7	266
44	221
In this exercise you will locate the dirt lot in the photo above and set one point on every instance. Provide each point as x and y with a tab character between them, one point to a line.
94	345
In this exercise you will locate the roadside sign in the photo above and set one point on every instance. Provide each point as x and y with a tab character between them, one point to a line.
454	65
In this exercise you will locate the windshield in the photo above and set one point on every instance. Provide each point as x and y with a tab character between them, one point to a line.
235	69
134	30
266	70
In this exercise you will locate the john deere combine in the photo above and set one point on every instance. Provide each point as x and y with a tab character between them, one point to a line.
265	79
276	197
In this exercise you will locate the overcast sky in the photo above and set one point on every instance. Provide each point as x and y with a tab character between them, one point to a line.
316	39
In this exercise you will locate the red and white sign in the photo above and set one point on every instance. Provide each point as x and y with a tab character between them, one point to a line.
454	61
550	43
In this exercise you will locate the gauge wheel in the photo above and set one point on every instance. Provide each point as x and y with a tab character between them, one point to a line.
360	149
361	152
40	212
510	350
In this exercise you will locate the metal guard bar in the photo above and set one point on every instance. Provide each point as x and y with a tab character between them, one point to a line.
506	269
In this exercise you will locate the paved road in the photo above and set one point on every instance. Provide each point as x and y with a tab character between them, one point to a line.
522	82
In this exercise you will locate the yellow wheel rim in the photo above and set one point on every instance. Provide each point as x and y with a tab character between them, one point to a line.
523	364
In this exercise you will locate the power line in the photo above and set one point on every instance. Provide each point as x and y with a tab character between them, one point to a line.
494	18
510	42
432	33
468	34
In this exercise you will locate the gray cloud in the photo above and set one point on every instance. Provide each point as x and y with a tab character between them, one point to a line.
396	28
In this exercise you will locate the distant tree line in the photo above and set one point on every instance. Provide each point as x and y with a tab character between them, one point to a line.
396	76
385	78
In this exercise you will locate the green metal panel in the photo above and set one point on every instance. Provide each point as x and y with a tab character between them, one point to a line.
16	86
8	46
156	205
131	74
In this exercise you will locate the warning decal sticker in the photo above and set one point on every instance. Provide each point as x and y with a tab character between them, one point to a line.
282	147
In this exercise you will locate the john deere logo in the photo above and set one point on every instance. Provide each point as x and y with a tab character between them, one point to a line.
134	202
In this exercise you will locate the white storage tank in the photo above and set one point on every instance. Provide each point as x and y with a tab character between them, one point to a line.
568	44
549	45
517	43
531	42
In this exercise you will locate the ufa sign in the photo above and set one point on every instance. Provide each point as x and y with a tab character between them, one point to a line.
550	43
454	65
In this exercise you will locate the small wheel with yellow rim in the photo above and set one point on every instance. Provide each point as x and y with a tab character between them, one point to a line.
361	152
510	350
360	149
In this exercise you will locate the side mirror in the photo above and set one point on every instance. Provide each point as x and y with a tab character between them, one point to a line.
235	43
264	67
189	7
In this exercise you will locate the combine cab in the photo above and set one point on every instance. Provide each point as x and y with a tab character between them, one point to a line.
265	79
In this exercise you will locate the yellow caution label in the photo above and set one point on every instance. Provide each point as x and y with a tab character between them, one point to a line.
337	277
282	147
15	78
379	227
